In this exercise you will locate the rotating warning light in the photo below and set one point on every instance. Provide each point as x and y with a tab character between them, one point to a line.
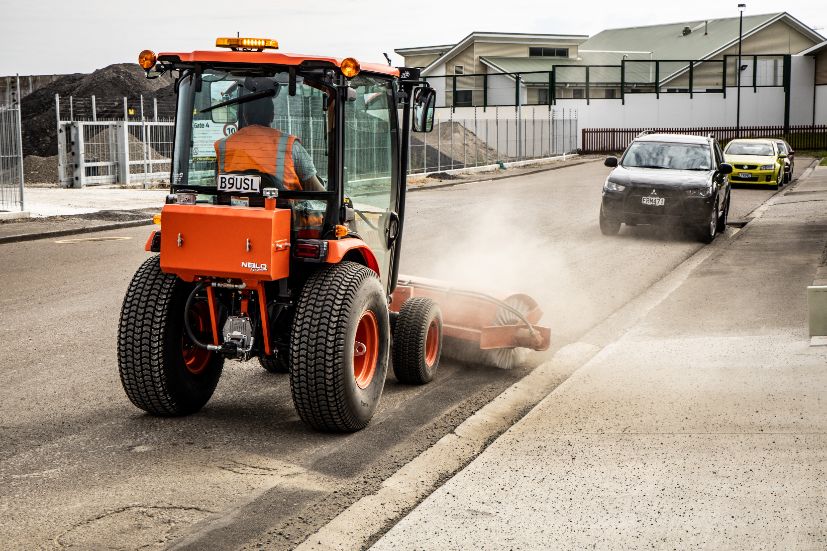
248	44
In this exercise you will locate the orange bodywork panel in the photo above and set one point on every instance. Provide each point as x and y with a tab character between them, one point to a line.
251	244
266	58
337	250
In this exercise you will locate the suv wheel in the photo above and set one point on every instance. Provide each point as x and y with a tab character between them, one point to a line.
708	231
607	225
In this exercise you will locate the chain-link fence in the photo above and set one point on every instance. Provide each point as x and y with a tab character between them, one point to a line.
122	141
463	143
11	154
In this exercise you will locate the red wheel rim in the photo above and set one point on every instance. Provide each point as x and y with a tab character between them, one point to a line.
366	349
196	359
432	344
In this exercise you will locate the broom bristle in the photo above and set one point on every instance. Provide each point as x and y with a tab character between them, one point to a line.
502	358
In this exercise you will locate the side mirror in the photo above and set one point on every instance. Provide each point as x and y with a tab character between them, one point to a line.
782	155
424	106
610	161
725	168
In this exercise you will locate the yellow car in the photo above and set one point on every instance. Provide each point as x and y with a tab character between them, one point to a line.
755	161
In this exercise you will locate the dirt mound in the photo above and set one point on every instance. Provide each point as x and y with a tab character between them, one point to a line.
450	146
40	170
109	85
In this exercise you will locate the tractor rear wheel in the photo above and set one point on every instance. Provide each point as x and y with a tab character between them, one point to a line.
161	370
339	348
417	341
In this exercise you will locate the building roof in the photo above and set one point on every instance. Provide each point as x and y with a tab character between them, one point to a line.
707	39
508	38
817	49
424	50
668	41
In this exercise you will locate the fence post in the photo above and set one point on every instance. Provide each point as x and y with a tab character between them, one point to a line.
123	146
19	138
61	147
657	79
94	110
144	138
691	79
78	159
484	92
623	82
588	92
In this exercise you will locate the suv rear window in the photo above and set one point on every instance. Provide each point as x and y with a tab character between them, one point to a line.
675	156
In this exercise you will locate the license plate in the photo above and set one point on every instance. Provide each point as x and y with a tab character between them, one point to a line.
239	183
653	201
745	175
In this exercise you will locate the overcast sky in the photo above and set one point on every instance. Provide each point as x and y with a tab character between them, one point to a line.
65	36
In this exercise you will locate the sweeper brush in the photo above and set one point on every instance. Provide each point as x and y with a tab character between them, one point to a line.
479	328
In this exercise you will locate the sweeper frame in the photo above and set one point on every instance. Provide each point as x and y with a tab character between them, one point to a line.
304	280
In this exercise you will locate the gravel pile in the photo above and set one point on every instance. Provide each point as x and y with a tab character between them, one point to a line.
109	85
40	170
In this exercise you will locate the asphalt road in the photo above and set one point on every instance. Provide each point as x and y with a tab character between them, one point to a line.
81	467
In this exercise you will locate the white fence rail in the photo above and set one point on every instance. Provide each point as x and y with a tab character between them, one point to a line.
11	154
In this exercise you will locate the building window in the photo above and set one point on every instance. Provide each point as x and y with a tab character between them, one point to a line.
463	98
611	93
459	70
542	96
578	93
548	52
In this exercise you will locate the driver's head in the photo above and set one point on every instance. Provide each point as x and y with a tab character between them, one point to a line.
259	112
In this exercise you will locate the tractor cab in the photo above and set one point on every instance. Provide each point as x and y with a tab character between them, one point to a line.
322	136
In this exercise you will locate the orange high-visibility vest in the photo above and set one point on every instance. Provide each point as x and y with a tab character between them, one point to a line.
259	148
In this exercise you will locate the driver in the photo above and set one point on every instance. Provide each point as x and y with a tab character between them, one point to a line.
257	147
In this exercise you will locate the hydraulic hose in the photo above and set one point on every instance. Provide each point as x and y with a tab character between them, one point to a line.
187	328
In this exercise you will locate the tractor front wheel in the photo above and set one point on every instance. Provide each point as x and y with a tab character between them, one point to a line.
162	371
417	341
339	347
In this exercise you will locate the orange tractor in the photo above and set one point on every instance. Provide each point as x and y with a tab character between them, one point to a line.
280	240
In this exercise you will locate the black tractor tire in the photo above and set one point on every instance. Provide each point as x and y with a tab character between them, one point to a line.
417	341
709	230
277	363
607	225
152	343
337	382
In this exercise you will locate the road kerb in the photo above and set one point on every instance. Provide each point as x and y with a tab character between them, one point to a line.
74	231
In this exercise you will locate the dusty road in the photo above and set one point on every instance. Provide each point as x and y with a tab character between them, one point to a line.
80	467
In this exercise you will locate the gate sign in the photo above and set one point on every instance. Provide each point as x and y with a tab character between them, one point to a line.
229	129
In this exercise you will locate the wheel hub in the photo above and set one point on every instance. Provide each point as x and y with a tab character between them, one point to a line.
366	349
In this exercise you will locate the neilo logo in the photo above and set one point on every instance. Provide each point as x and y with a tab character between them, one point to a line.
254	267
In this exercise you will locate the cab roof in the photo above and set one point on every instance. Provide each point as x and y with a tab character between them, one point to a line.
266	57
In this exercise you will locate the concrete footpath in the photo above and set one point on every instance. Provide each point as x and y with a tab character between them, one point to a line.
704	426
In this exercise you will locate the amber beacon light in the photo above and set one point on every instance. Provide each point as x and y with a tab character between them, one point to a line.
147	59
247	44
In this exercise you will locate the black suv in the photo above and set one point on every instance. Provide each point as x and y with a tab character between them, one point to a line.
668	179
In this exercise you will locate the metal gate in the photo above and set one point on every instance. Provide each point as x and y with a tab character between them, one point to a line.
11	153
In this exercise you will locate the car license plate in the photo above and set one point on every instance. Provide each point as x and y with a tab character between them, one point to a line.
745	175
239	183
653	201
